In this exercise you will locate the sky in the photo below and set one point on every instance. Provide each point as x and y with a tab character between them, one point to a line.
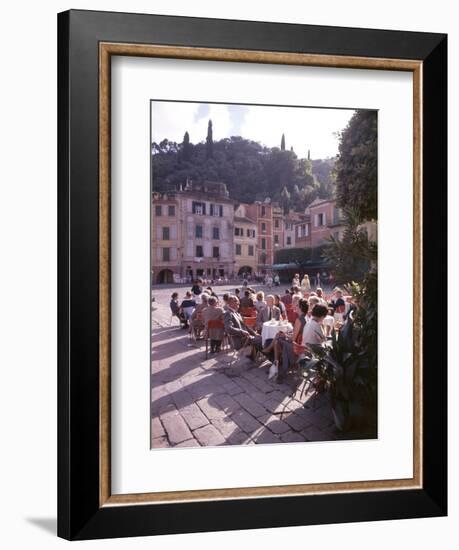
304	127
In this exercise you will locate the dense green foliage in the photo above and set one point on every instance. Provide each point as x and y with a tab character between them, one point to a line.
250	170
357	166
299	256
354	255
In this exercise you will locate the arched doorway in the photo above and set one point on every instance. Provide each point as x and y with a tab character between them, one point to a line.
244	269
165	276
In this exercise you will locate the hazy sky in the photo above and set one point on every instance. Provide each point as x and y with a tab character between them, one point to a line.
304	128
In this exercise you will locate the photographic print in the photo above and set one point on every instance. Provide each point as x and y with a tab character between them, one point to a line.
263	274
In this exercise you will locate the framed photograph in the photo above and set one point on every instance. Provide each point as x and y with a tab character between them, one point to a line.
252	242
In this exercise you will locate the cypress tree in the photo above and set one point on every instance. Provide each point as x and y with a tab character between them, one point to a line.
283	143
186	146
209	141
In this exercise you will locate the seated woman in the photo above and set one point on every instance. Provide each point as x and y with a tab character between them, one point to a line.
213	313
296	295
187	307
313	333
282	345
175	308
197	321
278	302
260	301
246	301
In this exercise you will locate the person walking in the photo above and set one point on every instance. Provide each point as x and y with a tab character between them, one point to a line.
305	284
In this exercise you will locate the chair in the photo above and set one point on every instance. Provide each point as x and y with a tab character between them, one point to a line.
192	330
215	324
247	311
250	322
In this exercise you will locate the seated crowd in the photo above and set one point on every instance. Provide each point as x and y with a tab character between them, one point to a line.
241	316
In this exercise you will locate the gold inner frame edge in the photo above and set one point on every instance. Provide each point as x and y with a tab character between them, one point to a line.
106	50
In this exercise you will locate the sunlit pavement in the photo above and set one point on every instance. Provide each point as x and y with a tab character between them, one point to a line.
198	402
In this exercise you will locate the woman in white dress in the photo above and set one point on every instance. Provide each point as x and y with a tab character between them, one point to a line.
305	284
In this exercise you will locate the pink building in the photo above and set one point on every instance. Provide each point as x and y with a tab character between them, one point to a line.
326	220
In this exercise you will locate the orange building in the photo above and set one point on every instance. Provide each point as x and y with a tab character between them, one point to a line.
262	212
278	227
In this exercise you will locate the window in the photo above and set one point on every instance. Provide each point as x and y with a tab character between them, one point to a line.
216	252
171	210
166	254
251	251
238	250
238	232
216	210
320	219
263	211
166	234
158	210
303	230
199	208
263	227
215	232
251	233
198	232
263	244
276	224
276	239
199	252
289	240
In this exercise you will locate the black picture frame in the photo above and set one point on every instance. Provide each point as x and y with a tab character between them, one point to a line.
80	515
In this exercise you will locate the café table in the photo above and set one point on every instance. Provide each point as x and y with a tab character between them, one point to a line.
271	328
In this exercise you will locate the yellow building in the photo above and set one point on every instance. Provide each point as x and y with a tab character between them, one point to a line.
245	241
166	239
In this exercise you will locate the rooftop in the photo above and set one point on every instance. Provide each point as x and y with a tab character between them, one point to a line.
243	219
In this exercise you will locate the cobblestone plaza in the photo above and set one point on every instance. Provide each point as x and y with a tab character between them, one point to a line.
206	402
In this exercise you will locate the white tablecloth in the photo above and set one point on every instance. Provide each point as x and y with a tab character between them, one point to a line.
269	330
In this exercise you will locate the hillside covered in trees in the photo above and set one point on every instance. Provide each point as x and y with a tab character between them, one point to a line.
250	170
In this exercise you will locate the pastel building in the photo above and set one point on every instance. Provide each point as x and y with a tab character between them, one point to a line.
262	212
207	218
166	238
201	245
278	227
302	230
245	240
289	234
326	220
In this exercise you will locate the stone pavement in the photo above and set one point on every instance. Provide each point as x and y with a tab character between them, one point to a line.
199	402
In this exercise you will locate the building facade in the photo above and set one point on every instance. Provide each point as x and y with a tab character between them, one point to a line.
245	241
302	230
278	228
326	220
262	212
202	243
289	221
198	231
166	238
